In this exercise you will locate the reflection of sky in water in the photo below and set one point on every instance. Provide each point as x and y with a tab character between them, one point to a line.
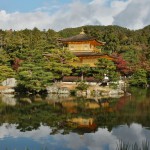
12	138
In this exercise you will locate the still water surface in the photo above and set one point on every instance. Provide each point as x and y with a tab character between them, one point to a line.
68	123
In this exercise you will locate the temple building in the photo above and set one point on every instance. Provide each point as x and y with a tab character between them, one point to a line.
85	48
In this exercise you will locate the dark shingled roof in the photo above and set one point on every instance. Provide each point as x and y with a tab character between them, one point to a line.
78	38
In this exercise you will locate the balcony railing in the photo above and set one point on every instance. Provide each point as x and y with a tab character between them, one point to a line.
96	50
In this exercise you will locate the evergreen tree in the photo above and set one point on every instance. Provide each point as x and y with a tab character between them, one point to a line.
139	78
6	72
59	62
34	77
105	67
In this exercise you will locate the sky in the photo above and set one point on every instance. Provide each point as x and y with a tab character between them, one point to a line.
60	14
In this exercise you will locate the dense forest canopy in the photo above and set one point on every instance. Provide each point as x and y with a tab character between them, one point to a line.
22	52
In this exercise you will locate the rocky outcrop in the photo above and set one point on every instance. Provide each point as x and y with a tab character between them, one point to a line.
116	92
8	86
100	92
6	90
52	89
57	90
93	90
112	93
10	82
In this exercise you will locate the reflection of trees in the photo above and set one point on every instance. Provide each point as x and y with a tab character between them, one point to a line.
70	116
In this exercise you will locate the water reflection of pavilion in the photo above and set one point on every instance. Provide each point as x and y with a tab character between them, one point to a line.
87	124
76	108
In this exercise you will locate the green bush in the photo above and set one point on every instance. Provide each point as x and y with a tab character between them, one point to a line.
82	86
139	78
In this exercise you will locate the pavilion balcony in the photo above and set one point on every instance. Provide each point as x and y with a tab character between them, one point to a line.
95	50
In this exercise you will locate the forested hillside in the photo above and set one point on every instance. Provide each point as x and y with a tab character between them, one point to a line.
134	46
21	52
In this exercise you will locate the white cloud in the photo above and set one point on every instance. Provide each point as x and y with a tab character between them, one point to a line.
10	130
134	133
135	15
19	21
91	141
96	12
132	14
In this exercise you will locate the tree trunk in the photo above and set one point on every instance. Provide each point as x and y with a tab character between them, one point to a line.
82	76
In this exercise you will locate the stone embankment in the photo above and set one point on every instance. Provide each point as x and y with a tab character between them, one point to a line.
6	90
8	86
93	90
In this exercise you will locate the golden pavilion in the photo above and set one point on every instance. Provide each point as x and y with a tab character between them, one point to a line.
85	48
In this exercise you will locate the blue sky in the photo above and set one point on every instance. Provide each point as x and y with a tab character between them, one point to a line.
23	5
31	5
20	5
60	14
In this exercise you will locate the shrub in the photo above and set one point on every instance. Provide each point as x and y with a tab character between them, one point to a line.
139	78
82	86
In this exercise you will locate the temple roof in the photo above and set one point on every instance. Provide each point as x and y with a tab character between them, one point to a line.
78	38
82	37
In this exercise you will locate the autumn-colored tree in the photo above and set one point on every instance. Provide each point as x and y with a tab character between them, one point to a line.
122	66
16	63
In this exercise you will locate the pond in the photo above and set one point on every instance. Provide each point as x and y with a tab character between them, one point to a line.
59	122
